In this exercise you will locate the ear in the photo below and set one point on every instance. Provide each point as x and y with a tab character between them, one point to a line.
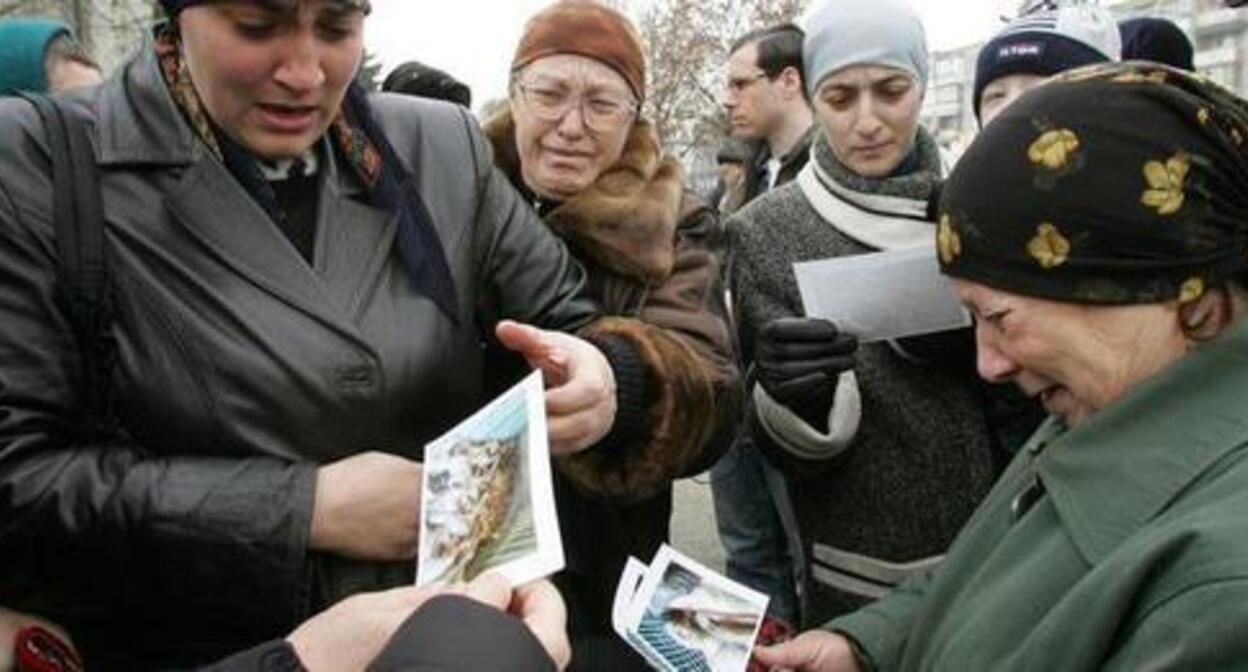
792	80
1203	319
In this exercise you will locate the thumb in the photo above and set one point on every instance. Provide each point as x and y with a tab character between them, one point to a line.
541	608
792	654
535	345
491	589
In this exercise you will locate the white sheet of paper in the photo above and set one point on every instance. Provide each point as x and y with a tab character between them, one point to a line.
625	593
882	295
487	501
720	617
630	580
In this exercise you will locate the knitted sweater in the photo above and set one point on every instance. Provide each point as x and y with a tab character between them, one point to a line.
909	451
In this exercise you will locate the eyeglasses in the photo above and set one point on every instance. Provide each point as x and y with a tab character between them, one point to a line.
739	84
599	111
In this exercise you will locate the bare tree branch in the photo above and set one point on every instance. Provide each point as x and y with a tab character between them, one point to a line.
687	44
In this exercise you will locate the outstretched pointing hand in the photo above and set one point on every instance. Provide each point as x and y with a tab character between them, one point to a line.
580	386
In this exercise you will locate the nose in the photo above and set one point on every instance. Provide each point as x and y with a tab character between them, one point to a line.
300	68
993	364
572	123
867	124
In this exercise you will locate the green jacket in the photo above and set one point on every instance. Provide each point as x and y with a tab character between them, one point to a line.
1120	545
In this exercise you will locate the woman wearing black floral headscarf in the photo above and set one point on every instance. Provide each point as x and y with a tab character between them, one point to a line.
305	279
1098	230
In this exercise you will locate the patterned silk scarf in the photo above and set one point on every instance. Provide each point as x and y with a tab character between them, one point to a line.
1119	183
360	144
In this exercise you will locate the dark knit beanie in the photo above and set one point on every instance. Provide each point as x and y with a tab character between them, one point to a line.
417	79
1156	40
1046	43
585	28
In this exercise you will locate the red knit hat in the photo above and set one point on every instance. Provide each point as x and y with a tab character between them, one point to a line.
585	28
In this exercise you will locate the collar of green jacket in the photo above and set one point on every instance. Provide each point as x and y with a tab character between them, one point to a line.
1110	476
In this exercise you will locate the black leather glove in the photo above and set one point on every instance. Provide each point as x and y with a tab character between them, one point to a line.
798	360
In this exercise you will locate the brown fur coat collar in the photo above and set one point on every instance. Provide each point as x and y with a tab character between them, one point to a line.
626	220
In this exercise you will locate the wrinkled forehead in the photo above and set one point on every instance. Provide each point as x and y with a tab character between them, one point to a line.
576	72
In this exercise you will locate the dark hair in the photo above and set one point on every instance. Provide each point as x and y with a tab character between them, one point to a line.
64	47
417	79
779	47
1240	281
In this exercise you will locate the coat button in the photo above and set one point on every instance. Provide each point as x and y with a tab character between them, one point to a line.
1024	500
355	376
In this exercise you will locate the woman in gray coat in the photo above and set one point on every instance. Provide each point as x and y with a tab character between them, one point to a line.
303	279
886	447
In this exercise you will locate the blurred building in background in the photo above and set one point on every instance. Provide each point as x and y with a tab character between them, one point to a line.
1219	33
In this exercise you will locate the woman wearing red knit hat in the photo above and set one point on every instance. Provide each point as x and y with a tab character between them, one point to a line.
574	142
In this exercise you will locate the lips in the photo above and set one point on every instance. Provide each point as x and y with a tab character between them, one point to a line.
563	156
873	149
288	118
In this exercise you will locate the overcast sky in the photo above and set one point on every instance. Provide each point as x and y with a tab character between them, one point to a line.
474	39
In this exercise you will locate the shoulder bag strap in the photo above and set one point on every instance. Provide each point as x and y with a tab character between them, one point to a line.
83	282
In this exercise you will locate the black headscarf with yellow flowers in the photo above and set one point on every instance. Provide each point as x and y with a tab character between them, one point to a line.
1116	183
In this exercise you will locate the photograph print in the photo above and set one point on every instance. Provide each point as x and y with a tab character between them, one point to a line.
487	501
694	620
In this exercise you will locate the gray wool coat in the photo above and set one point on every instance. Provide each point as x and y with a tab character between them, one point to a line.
241	369
888	494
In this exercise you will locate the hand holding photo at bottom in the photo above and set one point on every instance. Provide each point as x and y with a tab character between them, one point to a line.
813	651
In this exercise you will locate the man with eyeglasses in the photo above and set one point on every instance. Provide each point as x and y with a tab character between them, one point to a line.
765	101
573	141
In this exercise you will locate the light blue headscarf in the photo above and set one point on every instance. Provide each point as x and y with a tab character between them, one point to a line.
23	46
841	33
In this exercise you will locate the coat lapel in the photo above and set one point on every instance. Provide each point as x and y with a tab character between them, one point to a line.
354	240
216	210
353	243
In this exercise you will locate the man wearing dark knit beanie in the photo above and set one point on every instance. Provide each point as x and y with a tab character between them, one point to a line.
1036	46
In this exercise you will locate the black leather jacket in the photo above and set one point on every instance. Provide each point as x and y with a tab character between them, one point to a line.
241	369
